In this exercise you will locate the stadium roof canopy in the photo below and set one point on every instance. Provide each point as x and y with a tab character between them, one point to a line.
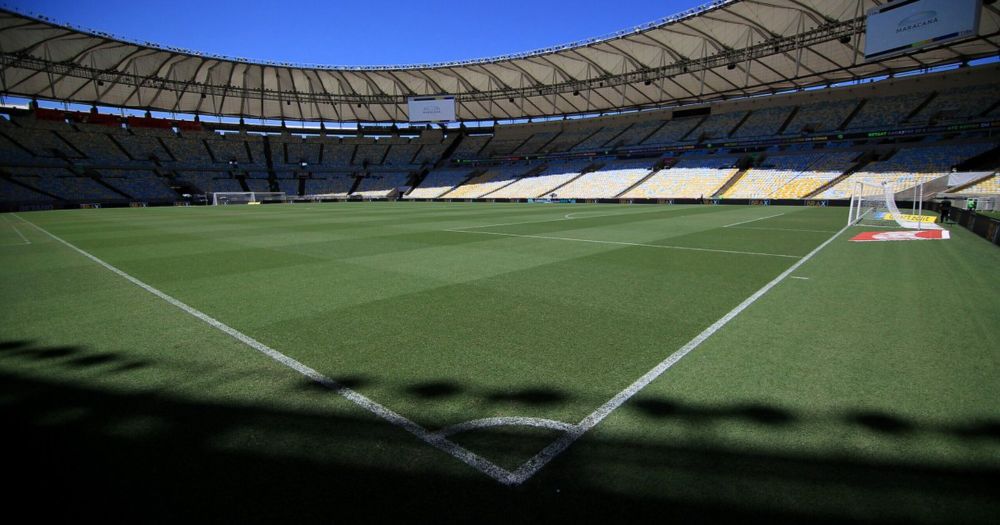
723	49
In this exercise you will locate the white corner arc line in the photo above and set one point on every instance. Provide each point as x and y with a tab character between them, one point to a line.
622	243
466	456
753	220
489	422
18	232
533	465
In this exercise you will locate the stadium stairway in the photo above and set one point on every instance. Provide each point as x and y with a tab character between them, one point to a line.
269	159
472	175
615	137
973	182
857	109
552	139
417	179
739	124
990	109
446	154
864	160
530	173
639	183
30	188
920	107
584	171
357	181
617	141
688	135
586	138
788	121
986	161
931	188
442	161
731	182
90	174
654	131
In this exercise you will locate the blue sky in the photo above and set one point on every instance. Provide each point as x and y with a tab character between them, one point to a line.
357	32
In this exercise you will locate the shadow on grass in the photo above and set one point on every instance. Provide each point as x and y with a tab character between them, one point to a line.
529	396
661	408
434	389
80	451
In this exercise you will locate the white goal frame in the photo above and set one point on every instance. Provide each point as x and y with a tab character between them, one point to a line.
870	202
223	198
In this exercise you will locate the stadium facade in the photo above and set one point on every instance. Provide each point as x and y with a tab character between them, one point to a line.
734	101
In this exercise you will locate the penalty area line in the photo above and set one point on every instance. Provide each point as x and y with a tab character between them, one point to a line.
622	243
18	232
431	438
567	217
753	220
533	465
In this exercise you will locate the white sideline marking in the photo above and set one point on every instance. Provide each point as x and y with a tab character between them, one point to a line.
434	439
797	277
752	220
782	229
18	232
569	216
533	465
489	422
622	243
564	218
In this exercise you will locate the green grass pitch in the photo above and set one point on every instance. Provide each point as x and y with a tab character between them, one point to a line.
863	386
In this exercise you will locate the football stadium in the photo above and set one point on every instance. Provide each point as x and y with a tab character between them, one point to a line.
737	263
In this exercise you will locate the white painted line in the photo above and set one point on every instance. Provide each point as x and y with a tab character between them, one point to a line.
653	208
781	229
564	218
490	422
18	232
434	439
621	243
753	220
533	465
504	224
797	277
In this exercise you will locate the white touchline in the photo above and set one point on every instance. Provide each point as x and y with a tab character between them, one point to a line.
622	243
653	209
563	218
752	220
533	465
780	229
18	232
432	438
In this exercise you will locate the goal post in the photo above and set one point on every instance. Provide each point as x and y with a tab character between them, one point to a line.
223	198
874	204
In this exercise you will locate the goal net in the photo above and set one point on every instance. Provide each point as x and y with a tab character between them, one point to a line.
875	205
247	197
